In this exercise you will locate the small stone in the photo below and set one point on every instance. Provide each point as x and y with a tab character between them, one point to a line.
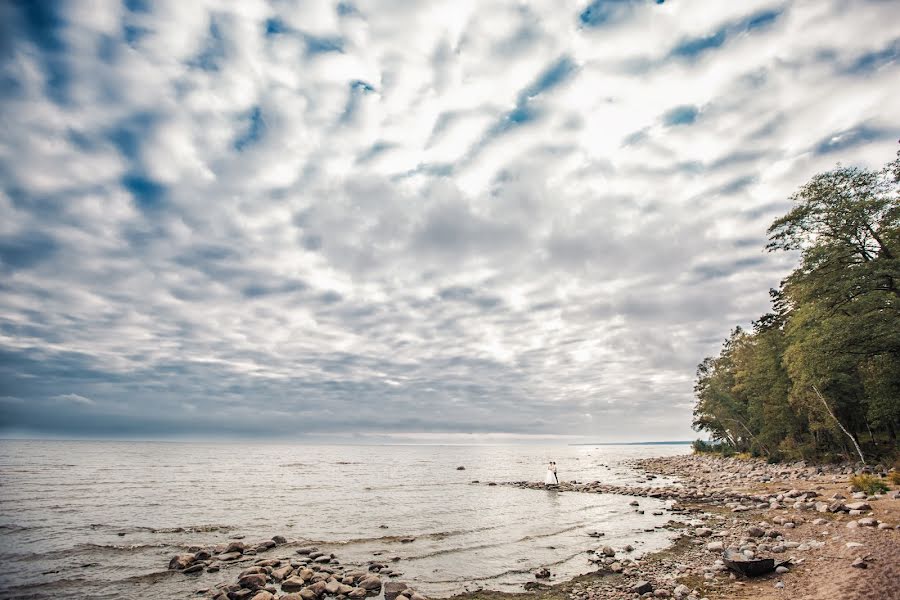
756	532
715	546
859	564
642	587
781	569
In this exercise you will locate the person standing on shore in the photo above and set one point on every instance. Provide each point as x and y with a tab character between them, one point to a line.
550	479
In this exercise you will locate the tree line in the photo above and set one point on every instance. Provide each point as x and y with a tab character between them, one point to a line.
818	377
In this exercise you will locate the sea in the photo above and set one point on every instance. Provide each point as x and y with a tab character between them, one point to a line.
101	519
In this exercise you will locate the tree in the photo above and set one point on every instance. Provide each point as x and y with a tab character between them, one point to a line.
834	331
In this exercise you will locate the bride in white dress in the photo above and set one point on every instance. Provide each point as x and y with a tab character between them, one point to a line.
551	479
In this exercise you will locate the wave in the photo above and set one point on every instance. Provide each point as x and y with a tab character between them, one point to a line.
439	535
495	576
144	528
538	536
15	528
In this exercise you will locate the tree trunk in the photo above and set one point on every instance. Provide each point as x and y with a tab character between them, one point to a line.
844	429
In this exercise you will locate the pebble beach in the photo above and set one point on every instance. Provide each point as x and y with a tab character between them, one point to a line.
830	541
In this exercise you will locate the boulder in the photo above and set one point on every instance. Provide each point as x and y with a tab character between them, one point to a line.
195	568
867	522
293	584
282	572
332	587
181	561
356	593
263	595
279	539
235	547
715	546
229	556
756	532
307	594
392	589
370	583
642	587
862	506
253	581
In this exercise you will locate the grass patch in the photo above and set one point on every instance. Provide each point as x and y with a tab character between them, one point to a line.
894	477
869	484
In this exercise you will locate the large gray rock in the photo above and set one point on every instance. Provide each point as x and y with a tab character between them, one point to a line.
862	506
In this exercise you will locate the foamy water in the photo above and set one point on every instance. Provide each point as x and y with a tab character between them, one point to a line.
63	506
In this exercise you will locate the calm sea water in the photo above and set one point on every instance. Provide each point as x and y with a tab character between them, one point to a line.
63	506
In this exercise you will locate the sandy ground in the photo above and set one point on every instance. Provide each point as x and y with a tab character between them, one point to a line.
826	573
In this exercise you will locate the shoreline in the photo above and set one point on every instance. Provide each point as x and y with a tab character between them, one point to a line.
779	511
798	514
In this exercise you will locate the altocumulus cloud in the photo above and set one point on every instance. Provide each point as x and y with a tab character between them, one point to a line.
506	219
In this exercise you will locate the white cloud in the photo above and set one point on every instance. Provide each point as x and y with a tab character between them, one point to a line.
401	217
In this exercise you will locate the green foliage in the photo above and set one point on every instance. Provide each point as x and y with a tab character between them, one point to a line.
869	484
703	447
833	328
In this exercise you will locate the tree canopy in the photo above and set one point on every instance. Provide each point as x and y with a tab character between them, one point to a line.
824	366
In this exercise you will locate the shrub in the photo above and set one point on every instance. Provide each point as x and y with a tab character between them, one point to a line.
869	483
704	447
894	477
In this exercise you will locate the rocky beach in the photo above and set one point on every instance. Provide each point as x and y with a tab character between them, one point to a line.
828	539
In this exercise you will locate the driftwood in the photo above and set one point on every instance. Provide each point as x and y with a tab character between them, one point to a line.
844	429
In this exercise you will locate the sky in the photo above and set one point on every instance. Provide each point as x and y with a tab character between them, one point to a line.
368	221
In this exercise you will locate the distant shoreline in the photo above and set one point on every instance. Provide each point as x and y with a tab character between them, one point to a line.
672	443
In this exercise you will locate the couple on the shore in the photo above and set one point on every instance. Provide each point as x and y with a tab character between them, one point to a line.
551	478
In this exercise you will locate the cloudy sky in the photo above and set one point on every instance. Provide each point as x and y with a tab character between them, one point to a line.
382	219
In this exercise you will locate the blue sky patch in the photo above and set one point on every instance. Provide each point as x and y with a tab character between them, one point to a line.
681	115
